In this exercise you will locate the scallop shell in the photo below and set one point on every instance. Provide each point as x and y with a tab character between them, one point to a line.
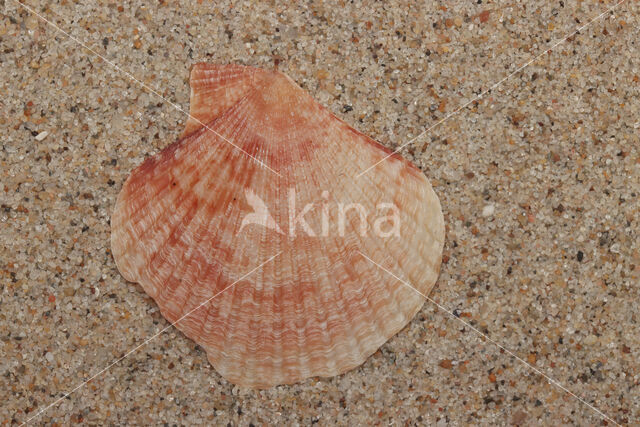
193	222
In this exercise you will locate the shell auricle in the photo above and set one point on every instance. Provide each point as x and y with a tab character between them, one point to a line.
264	172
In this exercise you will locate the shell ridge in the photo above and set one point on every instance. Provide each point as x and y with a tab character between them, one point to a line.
176	277
321	315
163	210
305	149
213	307
249	302
221	147
344	300
433	236
323	168
360	242
131	230
191	142
242	113
207	78
338	297
239	122
269	320
291	319
390	295
433	233
163	255
260	338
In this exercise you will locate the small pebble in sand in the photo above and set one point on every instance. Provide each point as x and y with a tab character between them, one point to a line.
41	135
488	210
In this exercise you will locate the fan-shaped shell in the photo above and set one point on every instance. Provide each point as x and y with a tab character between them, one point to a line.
319	308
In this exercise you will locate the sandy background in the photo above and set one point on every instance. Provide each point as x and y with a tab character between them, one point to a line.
538	180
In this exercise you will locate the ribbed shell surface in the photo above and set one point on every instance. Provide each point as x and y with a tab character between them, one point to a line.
319	307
